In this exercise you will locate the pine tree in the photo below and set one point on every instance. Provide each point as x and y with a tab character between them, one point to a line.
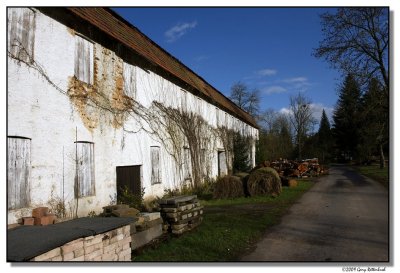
324	136
241	149
375	133
346	119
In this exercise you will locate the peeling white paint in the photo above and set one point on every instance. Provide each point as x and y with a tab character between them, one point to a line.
38	111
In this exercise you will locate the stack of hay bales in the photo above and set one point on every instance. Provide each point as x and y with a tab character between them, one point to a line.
264	181
181	213
228	187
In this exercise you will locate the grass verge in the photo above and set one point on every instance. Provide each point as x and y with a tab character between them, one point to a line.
229	229
374	172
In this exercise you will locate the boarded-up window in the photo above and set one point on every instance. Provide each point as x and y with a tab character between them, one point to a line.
19	164
85	169
155	165
83	60
129	80
184	105
187	167
21	33
222	169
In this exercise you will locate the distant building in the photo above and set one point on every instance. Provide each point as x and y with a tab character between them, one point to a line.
94	105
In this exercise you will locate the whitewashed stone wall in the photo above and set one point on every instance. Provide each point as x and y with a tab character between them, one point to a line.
37	110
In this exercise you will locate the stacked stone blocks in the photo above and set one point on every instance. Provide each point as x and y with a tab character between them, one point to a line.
181	213
113	245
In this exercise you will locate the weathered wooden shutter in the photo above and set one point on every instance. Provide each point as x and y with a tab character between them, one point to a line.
187	166
21	33
18	179
155	165
184	106
222	169
83	60
85	168
129	80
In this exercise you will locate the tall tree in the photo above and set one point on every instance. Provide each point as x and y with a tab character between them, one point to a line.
324	136
356	41
241	158
248	100
301	118
374	132
346	118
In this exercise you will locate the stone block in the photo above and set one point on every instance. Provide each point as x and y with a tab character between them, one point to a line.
39	212
107	256
28	221
71	246
68	256
117	238
142	238
126	246
129	212
124	241
93	240
48	255
78	259
106	242
110	248
79	252
150	216
91	256
177	199
45	220
98	259
57	259
122	254
92	248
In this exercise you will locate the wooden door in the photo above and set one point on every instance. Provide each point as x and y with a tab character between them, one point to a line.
129	176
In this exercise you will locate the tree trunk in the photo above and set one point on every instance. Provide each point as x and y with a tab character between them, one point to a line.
381	157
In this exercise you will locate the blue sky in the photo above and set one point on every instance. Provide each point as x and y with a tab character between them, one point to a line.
266	48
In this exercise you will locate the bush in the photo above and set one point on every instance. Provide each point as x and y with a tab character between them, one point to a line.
228	187
264	181
129	198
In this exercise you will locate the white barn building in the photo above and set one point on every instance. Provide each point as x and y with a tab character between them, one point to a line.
94	105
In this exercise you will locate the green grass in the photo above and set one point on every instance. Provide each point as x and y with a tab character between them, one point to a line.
229	229
374	172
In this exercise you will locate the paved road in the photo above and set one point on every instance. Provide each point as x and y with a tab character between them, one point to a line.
344	217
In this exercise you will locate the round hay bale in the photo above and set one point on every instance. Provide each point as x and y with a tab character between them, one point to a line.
228	187
264	181
292	183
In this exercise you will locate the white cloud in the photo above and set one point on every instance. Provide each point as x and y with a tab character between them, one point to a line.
285	111
317	111
274	89
178	31
296	80
267	72
299	83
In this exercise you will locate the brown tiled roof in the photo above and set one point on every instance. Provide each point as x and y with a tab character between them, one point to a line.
115	26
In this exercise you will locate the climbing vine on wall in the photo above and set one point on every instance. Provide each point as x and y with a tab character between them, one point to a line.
104	101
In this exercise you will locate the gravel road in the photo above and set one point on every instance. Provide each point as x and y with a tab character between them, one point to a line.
343	218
